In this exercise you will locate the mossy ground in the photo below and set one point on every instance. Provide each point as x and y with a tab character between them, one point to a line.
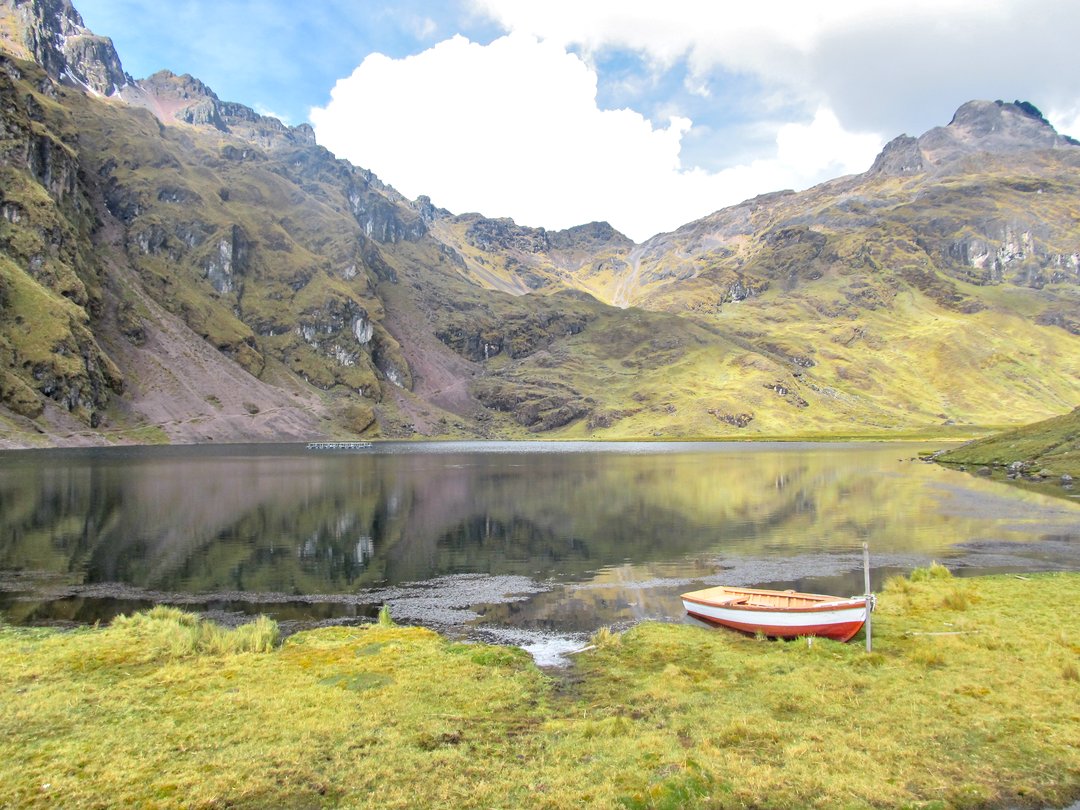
969	699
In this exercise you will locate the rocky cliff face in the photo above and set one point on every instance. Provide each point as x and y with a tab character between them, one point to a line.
50	281
52	33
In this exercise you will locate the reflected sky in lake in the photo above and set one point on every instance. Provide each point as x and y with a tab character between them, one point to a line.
515	538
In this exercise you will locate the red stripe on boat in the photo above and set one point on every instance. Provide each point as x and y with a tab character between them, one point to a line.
841	631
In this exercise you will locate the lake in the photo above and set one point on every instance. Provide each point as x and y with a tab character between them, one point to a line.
537	544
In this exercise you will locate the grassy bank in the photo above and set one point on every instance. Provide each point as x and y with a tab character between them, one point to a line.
1052	446
971	698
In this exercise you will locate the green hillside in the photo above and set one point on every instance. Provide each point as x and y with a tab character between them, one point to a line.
1052	446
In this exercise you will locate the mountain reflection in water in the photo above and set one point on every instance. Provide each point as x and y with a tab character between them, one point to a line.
582	534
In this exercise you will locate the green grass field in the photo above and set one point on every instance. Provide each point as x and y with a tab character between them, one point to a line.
971	698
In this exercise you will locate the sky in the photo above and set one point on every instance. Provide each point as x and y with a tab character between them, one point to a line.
645	114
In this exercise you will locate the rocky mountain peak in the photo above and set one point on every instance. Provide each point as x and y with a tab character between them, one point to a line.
188	100
165	82
991	126
177	98
427	209
592	235
52	33
1019	121
997	127
901	156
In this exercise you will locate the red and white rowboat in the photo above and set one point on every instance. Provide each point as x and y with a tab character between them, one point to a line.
781	614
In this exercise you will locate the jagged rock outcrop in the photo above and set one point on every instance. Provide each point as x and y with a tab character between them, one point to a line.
538	406
52	33
480	333
500	254
504	234
591	237
427	210
901	156
187	100
228	263
380	218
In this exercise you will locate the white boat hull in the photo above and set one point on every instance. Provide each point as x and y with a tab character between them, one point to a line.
839	619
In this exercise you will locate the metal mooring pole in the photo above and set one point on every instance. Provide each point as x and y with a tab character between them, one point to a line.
866	582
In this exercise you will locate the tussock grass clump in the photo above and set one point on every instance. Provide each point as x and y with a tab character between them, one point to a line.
172	632
952	709
606	637
897	585
935	571
958	599
900	585
259	636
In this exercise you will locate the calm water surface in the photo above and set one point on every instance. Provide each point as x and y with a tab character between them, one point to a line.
536	544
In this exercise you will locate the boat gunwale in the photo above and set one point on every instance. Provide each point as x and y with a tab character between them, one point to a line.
823	603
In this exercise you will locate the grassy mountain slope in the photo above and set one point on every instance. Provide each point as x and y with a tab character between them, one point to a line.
942	284
174	267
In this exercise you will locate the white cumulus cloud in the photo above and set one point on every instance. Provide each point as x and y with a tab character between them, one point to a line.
513	129
878	65
1067	121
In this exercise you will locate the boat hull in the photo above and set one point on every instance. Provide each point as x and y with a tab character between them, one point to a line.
808	615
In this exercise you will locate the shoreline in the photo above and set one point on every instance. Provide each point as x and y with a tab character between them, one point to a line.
454	604
948	434
376	443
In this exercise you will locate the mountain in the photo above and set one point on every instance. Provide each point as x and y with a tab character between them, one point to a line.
946	275
174	267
